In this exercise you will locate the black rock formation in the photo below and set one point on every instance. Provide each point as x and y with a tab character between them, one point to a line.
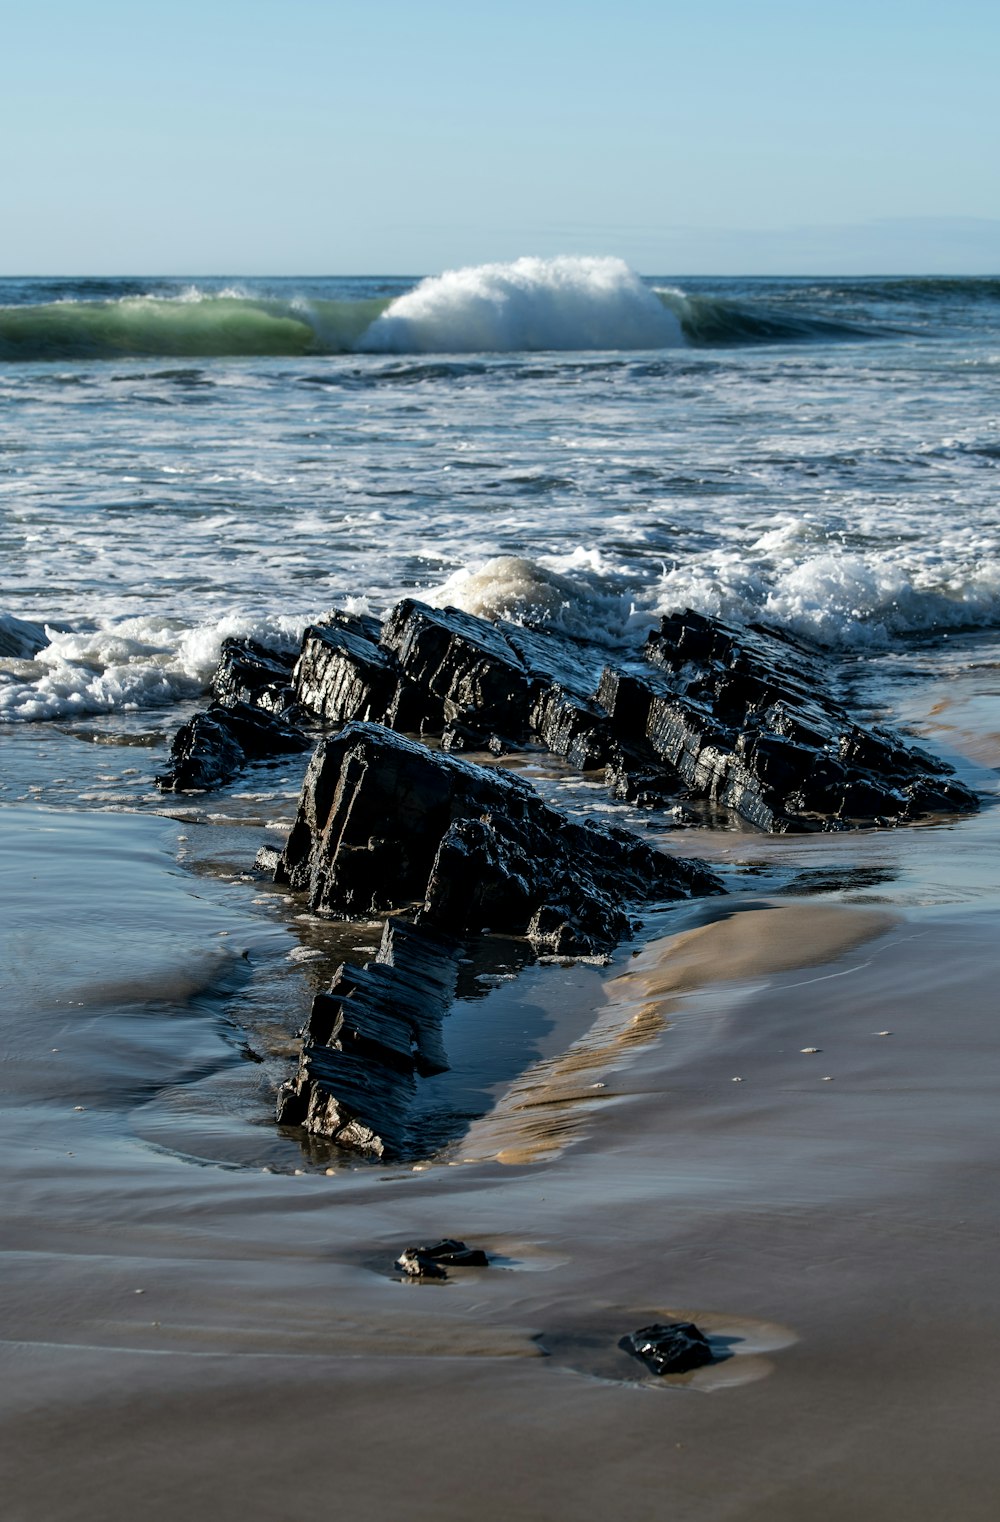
670	1347
745	720
252	674
342	672
251	718
215	745
386	824
443	671
705	716
368	1039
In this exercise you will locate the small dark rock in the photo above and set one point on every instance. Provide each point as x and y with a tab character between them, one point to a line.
205	753
669	1347
427	1262
455	1254
415	1263
214	746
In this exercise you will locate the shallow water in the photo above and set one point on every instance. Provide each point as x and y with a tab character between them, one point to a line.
189	1296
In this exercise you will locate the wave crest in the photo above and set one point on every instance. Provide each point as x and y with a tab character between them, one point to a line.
529	305
577	594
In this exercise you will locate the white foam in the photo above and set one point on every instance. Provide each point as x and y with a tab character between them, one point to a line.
128	664
531	304
843	598
578	594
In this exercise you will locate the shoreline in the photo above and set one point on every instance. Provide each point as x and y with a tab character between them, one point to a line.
185	1331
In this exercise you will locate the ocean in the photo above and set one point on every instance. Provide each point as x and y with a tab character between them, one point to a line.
773	1113
186	459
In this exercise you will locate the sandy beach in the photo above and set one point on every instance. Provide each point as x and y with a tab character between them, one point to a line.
775	1115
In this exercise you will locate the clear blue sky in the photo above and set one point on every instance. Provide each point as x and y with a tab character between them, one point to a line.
732	136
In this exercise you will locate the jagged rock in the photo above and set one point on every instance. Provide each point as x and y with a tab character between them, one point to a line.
384	823
251	674
369	1038
743	719
571	726
214	746
670	1347
343	674
484	681
463	666
707	715
428	1262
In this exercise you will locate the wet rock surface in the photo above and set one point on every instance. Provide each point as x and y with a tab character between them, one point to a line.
342	673
368	1039
704	723
386	824
746	718
705	716
253	674
214	746
252	718
432	1262
670	1347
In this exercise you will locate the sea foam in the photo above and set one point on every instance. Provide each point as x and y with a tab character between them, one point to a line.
529	305
126	665
578	594
844	599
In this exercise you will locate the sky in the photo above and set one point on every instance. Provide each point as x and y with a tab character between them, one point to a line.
342	137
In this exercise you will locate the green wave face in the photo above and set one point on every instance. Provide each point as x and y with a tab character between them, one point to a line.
197	327
461	312
708	322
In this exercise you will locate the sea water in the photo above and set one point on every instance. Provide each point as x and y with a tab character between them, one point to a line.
562	440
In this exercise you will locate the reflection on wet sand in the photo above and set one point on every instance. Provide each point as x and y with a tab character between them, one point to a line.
546	1109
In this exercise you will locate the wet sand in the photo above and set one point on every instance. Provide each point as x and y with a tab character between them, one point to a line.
221	1342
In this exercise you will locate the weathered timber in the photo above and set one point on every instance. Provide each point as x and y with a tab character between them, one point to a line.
368	1039
215	745
386	824
670	1347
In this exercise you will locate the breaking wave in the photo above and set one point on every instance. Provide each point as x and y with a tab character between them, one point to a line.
844	600
125	665
578	594
527	306
530	305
